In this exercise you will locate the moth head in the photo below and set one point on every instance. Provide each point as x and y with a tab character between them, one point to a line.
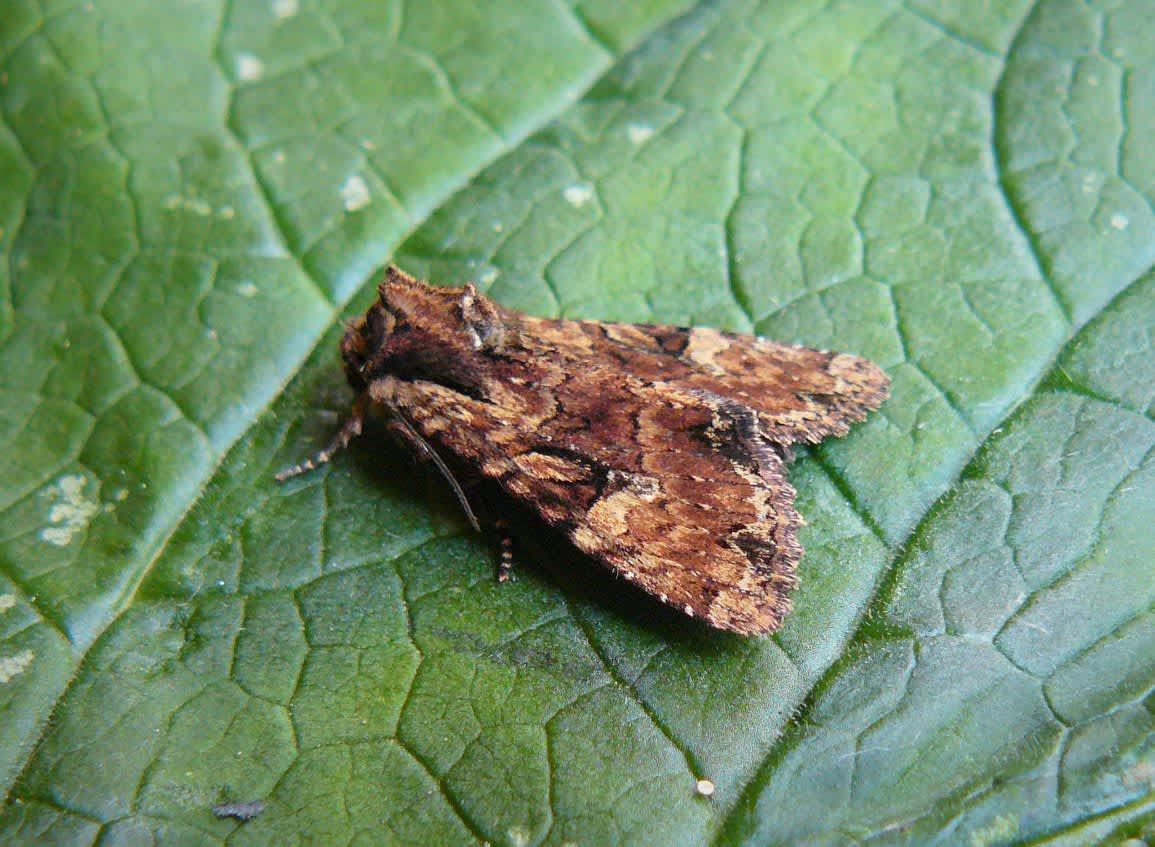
417	331
365	336
457	321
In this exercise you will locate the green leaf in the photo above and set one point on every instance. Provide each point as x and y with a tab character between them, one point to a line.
192	196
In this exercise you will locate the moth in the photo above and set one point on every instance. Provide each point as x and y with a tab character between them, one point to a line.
659	451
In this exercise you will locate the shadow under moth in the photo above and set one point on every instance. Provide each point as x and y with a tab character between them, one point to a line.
659	451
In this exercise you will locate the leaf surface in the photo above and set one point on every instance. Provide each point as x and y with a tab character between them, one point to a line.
194	196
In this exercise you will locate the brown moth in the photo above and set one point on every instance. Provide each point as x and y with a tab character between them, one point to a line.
659	451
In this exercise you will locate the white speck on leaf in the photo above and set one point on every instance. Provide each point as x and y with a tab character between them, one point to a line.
249	67
355	193
192	204
705	787
7	601
640	133
578	195
1140	773
11	666
1002	829
70	513
247	289
285	8
1120	221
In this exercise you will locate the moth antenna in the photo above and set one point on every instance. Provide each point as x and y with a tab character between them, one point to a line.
426	450
349	430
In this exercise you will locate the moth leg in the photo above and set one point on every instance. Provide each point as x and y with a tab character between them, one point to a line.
405	432
498	533
505	545
349	430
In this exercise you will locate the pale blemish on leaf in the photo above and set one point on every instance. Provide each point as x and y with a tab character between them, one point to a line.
1141	773
249	67
192	204
12	666
355	193
7	601
640	133
70	512
1001	830
285	9
247	289
578	195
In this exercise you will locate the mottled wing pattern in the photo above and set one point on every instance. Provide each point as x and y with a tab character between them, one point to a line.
675	488
657	450
800	394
